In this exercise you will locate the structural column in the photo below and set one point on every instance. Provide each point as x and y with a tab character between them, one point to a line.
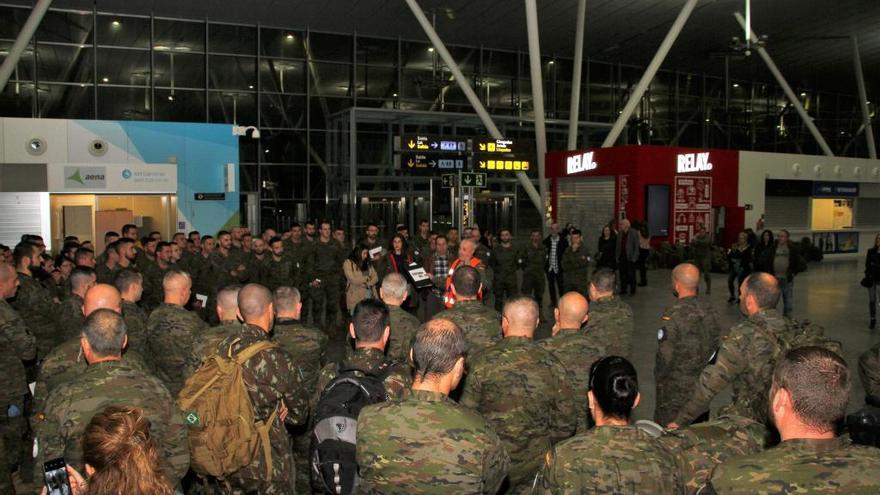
537	100
24	37
574	109
863	99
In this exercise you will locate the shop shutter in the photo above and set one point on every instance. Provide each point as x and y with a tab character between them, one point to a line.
792	212
588	204
19	214
867	212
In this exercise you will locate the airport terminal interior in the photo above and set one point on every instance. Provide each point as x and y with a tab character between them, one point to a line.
532	139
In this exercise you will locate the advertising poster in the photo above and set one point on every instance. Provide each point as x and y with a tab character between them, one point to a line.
692	206
622	194
836	242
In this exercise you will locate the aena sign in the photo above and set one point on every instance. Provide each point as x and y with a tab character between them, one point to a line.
580	163
694	162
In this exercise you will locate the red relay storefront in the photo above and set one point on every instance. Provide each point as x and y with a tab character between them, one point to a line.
672	189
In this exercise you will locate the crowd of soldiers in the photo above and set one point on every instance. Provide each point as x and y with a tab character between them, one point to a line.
475	404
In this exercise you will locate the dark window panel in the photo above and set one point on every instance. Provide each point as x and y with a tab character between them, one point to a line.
376	82
128	32
333	79
420	85
281	214
283	181
317	117
284	43
57	63
16	100
180	105
229	107
247	149
283	76
240	40
375	51
124	103
179	69
278	110
66	27
25	64
179	36
248	177
67	101
499	62
239	73
330	47
119	66
283	146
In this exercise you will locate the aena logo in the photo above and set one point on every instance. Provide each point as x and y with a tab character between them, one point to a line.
580	163
694	162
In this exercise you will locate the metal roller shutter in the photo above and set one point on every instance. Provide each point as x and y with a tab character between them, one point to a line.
588	204
19	214
791	212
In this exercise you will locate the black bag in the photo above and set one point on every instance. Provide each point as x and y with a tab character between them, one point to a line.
864	426
867	282
334	434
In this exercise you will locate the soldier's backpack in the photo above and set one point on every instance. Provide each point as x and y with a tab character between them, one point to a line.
222	431
334	434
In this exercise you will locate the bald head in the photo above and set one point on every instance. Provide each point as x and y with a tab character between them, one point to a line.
255	306
572	310
466	249
686	279
102	296
7	272
8	281
520	317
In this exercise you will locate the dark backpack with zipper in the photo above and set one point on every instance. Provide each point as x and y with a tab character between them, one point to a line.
334	431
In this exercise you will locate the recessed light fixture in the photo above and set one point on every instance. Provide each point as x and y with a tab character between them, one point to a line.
106	79
394	95
551	62
170	98
431	49
289	37
803	94
116	24
251	86
735	85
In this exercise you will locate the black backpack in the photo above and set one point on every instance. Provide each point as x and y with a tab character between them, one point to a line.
334	431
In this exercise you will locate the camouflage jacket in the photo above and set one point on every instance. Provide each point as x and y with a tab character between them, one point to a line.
271	377
70	407
533	259
687	341
225	269
403	330
327	260
576	266
205	344
801	466
36	306
71	318
505	263
306	344
869	371
609	460
257	270
397	380
480	324
301	254
703	446
172	332
745	361
20	346
521	390
154	291
135	325
282	272
577	353
611	325
437	446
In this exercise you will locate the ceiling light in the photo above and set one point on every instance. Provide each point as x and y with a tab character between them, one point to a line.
106	79
735	85
803	94
431	49
289	37
251	86
161	48
116	24
394	95
708	120
267	150
551	62
170	98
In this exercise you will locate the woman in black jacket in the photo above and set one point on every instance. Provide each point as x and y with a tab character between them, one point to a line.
872	273
607	245
739	257
763	255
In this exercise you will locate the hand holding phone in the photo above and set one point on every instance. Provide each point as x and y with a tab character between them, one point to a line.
56	477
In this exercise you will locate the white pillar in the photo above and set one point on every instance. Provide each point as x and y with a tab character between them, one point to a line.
24	37
863	100
573	110
537	99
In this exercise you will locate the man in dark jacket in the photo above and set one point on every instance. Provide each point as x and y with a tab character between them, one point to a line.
555	244
786	261
627	255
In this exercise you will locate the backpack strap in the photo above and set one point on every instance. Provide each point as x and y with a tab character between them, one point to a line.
252	350
263	432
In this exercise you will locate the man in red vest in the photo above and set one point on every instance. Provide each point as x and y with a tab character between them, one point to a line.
466	258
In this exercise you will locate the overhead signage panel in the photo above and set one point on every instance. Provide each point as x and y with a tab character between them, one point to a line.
425	143
498	165
496	146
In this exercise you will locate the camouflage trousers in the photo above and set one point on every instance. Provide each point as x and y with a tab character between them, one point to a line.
325	302
533	285
504	287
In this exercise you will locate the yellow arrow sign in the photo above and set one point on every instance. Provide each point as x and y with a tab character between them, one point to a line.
482	164
411	144
482	146
410	163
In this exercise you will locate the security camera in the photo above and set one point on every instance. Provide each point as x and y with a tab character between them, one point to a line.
238	130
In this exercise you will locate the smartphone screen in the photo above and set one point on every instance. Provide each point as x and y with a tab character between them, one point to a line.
55	473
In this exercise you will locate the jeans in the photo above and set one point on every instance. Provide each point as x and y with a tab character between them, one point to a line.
787	288
555	282
872	300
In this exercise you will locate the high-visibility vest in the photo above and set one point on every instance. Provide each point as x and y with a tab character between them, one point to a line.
449	298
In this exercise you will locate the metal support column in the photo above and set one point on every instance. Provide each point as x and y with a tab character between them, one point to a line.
796	103
537	101
649	74
24	37
574	109
863	99
352	170
472	97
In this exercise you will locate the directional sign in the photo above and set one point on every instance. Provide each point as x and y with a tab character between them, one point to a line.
425	161
495	146
493	165
423	143
447	180
470	179
210	196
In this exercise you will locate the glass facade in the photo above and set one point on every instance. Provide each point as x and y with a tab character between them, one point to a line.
293	84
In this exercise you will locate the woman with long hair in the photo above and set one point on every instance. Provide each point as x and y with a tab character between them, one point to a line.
762	256
398	260
739	258
120	456
361	276
872	275
614	457
605	252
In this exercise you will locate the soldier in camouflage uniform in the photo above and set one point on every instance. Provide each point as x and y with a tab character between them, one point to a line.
403	325
869	372
701	250
480	324
703	446
228	267
611	321
421	242
505	263
154	276
614	457
81	280
275	383
574	350
206	342
300	252
34	303
256	261
20	346
689	338
428	443
746	357
172	332
533	259
481	252
576	264
327	258
107	380
130	285
809	395
521	389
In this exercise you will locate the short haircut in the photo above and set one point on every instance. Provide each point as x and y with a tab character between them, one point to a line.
576	232
466	280
83	254
286	298
438	344
192	234
123	241
127	228
604	280
764	288
253	300
394	286
125	278
227	297
274	240
81	276
370	318
110	234
615	386
105	331
818	381
222	233
23	250
162	245
522	311
113	247
171	277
